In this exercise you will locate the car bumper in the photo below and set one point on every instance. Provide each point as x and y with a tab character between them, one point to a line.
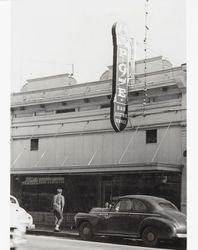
30	227
181	235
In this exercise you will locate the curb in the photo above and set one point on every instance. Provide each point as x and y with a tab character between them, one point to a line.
52	233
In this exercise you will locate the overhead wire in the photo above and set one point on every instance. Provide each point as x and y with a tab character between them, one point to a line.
159	63
146	28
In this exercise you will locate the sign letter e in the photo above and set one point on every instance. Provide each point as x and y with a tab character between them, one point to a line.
122	92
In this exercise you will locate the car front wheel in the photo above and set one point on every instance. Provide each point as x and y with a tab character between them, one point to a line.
85	231
150	237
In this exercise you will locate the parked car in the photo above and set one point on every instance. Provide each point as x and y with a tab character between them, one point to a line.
24	217
20	221
137	216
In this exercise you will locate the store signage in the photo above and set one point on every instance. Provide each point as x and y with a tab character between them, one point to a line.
121	72
43	180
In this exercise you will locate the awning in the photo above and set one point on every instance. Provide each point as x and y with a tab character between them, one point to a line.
107	168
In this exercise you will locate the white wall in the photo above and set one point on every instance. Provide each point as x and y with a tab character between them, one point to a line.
105	148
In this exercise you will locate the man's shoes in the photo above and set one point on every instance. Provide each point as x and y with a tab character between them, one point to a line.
56	229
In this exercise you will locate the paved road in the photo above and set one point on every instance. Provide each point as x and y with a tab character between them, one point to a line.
55	243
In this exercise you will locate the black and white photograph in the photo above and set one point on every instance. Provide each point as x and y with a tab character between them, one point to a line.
98	125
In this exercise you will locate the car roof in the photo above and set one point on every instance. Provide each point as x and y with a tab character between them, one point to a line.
144	197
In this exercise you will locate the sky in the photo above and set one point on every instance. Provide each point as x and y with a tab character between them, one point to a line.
48	36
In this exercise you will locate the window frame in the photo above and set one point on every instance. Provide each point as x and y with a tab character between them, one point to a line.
34	144
152	138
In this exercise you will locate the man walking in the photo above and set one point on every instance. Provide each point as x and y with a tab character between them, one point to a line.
58	206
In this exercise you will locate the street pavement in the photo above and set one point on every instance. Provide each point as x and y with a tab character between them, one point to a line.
39	242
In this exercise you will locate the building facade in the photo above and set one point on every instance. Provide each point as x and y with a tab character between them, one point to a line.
61	136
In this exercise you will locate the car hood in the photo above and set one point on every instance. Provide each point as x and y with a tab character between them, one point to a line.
99	210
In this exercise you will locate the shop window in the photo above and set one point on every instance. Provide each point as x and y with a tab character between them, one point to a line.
151	136
34	144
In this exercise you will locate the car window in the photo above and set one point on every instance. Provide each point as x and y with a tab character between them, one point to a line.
12	200
167	205
123	206
116	207
139	206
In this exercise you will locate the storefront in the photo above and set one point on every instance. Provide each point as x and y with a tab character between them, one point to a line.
83	191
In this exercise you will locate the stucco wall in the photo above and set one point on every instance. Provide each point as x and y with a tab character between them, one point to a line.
99	148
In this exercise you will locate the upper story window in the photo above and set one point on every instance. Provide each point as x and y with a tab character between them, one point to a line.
34	144
136	93
60	111
105	105
151	136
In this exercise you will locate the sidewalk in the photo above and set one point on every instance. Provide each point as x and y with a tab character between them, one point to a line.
49	231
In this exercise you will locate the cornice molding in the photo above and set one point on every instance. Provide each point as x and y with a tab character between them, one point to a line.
73	169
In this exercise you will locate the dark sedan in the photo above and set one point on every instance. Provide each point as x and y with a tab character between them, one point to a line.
138	216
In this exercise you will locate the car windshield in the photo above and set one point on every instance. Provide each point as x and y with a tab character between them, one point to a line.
12	200
167	205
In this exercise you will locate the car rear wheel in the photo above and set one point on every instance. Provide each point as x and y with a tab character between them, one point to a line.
150	236
85	231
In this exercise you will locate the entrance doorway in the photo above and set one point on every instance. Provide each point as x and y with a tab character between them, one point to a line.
106	192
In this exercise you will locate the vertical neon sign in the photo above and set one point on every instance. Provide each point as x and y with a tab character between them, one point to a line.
121	73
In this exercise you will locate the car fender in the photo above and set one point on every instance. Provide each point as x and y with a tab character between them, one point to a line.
165	226
86	217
